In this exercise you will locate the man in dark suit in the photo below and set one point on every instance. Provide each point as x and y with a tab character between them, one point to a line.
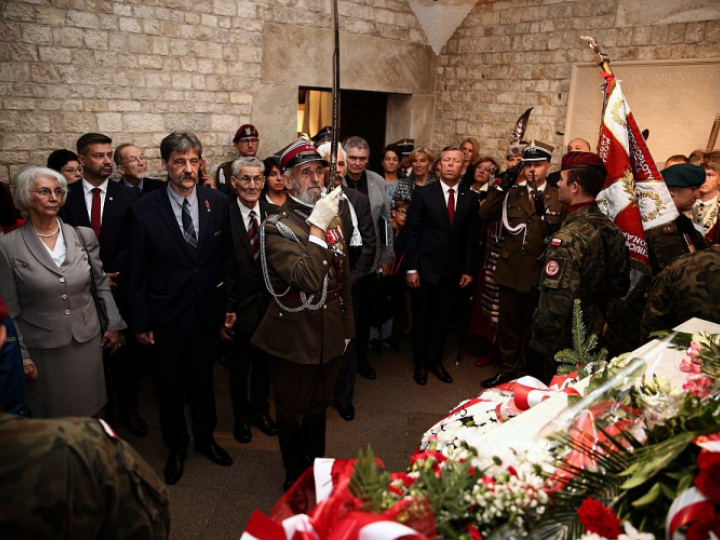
181	265
104	206
247	363
131	162
359	231
442	255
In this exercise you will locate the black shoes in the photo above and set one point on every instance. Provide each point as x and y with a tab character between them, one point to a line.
441	373
174	467
266	424
366	370
242	433
494	381
347	412
136	425
215	453
420	375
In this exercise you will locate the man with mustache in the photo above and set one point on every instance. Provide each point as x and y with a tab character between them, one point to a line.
307	328
104	206
182	283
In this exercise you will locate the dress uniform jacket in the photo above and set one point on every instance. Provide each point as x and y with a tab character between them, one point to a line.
518	266
307	336
586	260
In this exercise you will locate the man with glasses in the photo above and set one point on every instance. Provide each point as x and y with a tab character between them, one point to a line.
132	164
104	206
247	142
249	379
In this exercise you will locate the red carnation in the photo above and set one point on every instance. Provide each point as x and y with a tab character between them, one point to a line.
474	532
708	479
598	519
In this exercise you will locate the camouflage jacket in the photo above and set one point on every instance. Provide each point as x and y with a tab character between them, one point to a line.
73	478
586	259
689	287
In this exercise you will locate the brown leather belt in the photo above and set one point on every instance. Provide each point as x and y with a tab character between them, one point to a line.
331	295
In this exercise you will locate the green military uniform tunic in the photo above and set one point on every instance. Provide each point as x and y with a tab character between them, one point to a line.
688	287
72	478
587	259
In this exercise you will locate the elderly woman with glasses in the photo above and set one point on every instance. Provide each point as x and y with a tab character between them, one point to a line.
46	268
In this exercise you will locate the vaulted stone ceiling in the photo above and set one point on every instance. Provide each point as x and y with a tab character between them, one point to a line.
440	18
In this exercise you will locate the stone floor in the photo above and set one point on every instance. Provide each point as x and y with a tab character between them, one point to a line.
392	413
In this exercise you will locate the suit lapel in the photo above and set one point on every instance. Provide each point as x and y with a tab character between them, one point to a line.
204	211
110	203
164	207
79	206
439	198
71	240
462	200
524	200
37	248
238	226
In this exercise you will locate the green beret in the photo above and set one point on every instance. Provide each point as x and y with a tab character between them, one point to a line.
684	175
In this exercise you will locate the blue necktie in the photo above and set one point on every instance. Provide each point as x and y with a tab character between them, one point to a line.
189	229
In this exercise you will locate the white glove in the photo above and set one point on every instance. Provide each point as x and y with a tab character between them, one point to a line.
325	209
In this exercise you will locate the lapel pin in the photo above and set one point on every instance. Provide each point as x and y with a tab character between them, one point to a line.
207	205
110	198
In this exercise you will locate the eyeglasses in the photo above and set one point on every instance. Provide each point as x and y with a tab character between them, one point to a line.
253	140
248	179
400	211
135	159
44	193
72	170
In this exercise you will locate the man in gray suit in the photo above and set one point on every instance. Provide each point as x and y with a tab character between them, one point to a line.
372	185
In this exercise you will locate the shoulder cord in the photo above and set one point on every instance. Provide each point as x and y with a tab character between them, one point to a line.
305	302
521	227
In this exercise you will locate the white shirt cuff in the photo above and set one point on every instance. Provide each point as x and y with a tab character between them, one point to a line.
411	272
318	241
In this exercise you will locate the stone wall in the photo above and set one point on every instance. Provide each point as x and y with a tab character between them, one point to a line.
138	69
509	55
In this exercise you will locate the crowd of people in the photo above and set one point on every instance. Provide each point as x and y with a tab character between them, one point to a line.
290	278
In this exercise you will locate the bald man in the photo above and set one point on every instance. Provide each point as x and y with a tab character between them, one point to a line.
578	145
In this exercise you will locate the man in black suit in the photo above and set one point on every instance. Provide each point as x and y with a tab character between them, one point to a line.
247	363
104	206
442	248
359	232
182	283
131	162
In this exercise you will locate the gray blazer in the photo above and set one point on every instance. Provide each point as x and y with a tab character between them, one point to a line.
51	305
379	206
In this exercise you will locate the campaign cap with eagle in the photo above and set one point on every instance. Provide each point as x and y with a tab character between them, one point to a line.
537	151
298	152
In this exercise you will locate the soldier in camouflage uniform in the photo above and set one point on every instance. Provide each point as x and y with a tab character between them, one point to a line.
73	478
689	287
587	259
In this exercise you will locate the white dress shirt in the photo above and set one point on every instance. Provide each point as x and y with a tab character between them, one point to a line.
87	188
446	192
245	213
176	202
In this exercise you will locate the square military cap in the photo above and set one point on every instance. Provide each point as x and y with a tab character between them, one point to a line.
298	152
537	151
406	146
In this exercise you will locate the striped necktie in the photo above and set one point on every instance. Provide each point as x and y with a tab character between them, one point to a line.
253	235
189	229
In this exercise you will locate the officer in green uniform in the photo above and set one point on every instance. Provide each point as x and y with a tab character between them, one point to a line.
689	287
587	259
74	478
310	322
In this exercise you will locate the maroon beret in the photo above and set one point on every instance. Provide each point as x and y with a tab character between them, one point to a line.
578	160
246	130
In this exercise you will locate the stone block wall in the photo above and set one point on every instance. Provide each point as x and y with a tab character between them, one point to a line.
139	69
509	55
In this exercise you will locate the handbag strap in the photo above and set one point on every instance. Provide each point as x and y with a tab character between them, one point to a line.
93	286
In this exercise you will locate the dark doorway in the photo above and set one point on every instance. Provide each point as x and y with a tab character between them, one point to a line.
361	113
365	114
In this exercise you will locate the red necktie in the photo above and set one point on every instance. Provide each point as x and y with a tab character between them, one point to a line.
451	205
95	211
